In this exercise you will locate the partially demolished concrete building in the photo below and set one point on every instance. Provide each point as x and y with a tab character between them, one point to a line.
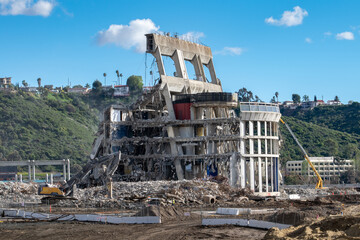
189	128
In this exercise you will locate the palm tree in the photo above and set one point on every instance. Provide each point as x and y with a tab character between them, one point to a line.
24	83
105	78
118	76
277	96
39	82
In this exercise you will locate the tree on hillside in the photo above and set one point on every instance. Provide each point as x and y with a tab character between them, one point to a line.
336	99
39	82
348	177
104	79
135	83
118	76
296	98
306	98
273	99
24	83
332	147
78	86
96	85
277	96
315	98
87	85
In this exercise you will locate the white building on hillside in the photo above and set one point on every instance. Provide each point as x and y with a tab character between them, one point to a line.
326	166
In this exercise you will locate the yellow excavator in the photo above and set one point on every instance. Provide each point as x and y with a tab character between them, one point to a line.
319	184
95	173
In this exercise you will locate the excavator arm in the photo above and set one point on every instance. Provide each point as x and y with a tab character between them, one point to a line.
319	184
95	172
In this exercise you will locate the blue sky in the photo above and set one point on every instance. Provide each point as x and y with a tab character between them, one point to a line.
305	47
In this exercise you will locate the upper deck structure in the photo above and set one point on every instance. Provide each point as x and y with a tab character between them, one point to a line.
188	128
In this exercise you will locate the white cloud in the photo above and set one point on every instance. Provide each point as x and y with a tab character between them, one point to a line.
289	18
308	40
128	36
192	36
230	51
27	7
345	36
327	33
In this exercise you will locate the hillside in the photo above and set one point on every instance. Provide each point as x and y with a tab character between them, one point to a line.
48	126
57	126
345	118
317	140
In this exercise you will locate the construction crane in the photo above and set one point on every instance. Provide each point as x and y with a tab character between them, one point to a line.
319	184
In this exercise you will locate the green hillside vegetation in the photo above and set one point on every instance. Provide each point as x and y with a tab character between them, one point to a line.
48	125
345	118
318	141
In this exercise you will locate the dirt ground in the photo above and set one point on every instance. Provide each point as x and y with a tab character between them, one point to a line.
189	229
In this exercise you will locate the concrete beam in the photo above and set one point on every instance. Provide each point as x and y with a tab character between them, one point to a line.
178	59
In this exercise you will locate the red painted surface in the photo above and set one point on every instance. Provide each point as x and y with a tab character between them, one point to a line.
182	111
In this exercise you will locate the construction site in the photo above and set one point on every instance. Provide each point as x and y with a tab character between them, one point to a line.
185	161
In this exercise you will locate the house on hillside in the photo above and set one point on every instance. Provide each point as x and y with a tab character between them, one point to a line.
289	105
79	90
311	104
49	87
334	103
30	89
5	82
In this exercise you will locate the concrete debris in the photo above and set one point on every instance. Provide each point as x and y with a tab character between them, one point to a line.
15	192
133	195
309	193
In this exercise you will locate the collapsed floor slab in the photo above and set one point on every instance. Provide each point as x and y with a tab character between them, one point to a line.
14	213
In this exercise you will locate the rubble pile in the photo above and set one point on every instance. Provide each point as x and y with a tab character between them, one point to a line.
16	192
311	193
131	195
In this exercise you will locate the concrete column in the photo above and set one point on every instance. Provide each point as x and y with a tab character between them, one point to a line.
242	172
68	169
64	169
242	152
252	175
233	170
271	174
260	174
251	147
266	175
179	62
198	67
47	178
171	133
21	180
259	158
159	61
51	179
16	177
265	128
211	68
29	170
33	170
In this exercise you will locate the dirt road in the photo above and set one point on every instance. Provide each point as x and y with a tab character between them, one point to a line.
169	230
